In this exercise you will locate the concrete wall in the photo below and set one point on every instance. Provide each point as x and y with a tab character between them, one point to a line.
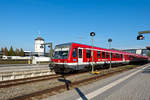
15	58
42	58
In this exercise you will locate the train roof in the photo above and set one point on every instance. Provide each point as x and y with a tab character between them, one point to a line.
65	44
112	50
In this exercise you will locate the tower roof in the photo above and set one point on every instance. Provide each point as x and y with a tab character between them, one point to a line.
39	38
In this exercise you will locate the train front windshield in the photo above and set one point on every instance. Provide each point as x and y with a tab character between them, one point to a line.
61	53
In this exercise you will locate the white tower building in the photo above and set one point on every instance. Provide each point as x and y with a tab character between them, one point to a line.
38	49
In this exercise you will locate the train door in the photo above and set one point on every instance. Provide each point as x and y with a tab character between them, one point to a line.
123	58
80	56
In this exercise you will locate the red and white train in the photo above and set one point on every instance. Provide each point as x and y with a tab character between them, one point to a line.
70	57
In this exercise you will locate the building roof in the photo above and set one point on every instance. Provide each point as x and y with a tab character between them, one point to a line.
39	38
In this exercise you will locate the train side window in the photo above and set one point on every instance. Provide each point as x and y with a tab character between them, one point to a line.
98	54
121	55
118	55
103	54
74	52
114	55
88	53
107	55
111	55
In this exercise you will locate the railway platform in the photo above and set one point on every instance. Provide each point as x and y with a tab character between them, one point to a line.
15	71
129	85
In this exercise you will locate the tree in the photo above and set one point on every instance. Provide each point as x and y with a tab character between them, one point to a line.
2	49
6	51
17	52
21	52
11	51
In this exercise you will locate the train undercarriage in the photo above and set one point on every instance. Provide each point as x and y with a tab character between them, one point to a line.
64	68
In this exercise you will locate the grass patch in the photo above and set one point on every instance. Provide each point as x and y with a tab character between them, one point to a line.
13	61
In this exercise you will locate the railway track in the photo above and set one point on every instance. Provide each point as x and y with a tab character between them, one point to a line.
10	83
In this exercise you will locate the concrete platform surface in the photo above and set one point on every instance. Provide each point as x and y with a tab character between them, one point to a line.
130	85
21	67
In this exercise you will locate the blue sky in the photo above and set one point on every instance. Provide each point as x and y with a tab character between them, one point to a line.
61	21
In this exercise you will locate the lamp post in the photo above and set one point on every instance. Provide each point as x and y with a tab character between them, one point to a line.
92	34
109	41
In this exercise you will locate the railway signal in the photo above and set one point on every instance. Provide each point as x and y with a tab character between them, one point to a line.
92	34
109	41
140	37
50	46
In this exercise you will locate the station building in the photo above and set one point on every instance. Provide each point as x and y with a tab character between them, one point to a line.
144	52
39	49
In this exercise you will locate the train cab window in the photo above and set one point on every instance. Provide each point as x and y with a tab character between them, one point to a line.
107	54
131	57
80	53
88	53
98	54
74	52
103	54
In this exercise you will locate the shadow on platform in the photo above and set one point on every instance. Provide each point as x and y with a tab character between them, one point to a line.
67	82
146	71
81	94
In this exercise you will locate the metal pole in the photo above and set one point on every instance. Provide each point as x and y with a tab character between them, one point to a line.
51	51
110	54
92	34
92	54
39	58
